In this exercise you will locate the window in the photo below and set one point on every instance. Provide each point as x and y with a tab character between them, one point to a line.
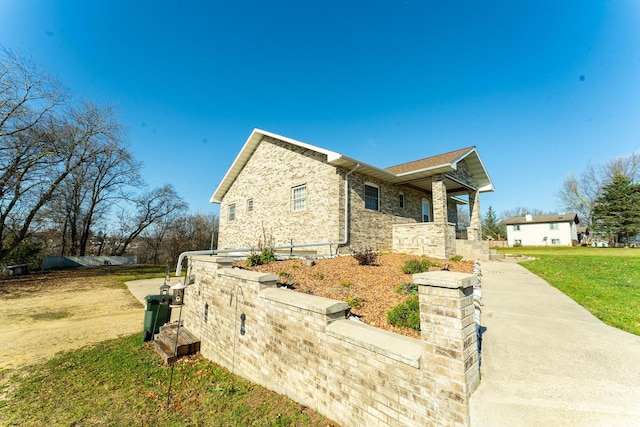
401	200
553	226
372	197
250	205
555	241
516	227
232	212
299	198
426	211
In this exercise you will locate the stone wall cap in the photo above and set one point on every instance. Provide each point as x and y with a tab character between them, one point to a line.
312	303
444	279
254	276
398	347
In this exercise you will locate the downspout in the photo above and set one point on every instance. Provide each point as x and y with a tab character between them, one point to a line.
346	205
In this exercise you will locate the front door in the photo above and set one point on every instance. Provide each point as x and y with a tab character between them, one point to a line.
426	211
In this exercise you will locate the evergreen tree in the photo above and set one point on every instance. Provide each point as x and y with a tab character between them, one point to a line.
492	227
616	211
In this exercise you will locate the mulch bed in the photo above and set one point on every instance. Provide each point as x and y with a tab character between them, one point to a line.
342	279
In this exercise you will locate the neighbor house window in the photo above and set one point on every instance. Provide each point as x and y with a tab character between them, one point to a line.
250	205
401	200
372	197
232	212
299	198
516	227
555	241
553	226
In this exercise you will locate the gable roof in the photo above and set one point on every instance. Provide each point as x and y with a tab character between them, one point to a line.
411	172
538	219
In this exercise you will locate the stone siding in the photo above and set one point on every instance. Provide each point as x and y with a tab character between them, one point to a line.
374	229
425	238
303	346
267	179
463	175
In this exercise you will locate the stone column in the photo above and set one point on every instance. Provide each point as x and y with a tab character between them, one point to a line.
474	231
439	196
448	332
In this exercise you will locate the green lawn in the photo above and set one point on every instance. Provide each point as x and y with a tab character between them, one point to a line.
122	383
606	281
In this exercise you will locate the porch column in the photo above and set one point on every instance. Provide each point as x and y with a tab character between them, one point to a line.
439	195
474	231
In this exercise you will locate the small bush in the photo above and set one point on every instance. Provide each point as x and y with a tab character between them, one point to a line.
414	266
317	275
406	314
410	288
283	274
345	283
366	257
355	302
456	258
265	257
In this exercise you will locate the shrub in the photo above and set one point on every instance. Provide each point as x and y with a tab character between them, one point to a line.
366	257
456	258
406	314
410	288
355	302
258	258
415	265
345	283
317	275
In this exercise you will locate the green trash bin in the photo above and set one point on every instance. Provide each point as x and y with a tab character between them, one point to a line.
157	313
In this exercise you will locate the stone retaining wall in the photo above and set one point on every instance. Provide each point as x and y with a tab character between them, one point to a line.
305	347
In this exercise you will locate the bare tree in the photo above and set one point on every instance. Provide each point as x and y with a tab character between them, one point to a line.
521	211
579	194
36	162
90	191
150	208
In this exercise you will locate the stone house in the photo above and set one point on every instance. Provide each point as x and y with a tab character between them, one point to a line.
289	192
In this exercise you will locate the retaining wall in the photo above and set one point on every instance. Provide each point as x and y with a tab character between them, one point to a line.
305	347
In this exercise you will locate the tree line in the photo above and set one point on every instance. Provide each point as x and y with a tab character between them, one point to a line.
69	182
605	196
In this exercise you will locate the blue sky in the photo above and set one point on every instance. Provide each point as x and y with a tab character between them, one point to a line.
541	88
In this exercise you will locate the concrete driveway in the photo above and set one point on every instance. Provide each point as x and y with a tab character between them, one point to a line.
547	361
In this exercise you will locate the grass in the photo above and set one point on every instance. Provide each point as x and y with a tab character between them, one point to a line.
606	281
121	382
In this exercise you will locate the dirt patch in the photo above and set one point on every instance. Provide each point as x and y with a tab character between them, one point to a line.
44	313
372	290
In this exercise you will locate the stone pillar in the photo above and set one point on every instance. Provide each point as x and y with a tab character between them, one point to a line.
448	332
439	196
474	231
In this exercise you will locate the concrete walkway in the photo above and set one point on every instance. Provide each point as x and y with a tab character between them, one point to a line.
547	361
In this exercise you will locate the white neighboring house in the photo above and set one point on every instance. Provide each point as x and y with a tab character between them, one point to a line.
543	230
